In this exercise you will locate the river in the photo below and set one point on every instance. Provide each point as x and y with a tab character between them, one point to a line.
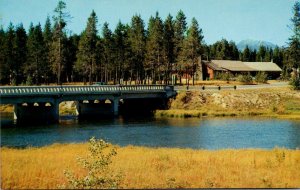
205	133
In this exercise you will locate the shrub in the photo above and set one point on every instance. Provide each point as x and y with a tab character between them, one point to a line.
99	175
14	82
245	78
295	82
224	76
261	77
29	81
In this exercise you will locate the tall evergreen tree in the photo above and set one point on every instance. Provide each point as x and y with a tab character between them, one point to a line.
253	56
294	40
168	46
122	50
137	45
260	56
20	52
58	50
72	48
192	48
4	69
233	51
246	54
10	54
108	52
154	53
48	35
179	35
36	65
86	56
278	56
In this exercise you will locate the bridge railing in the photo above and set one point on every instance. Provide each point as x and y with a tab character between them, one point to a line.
54	90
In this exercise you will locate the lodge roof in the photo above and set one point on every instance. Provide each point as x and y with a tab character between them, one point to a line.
263	66
228	65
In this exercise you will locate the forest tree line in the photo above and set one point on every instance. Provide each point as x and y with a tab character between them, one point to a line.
48	54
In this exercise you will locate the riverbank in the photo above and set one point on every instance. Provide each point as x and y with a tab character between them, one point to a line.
277	102
143	167
280	102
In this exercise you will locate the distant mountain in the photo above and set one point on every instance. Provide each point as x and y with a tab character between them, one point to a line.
254	44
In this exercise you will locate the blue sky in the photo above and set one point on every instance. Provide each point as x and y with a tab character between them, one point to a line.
230	19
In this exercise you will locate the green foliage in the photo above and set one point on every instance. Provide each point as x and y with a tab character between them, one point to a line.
192	48
154	46
137	41
246	54
36	64
58	49
86	55
29	81
261	77
224	76
97	164
295	83
224	50
294	40
245	78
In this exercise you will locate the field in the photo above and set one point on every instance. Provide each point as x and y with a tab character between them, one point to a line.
143	167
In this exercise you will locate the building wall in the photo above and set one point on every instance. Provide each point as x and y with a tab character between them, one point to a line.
210	73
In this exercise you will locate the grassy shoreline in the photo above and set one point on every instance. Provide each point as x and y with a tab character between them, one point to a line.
181	113
144	167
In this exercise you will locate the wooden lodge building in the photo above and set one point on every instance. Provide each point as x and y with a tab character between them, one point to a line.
211	68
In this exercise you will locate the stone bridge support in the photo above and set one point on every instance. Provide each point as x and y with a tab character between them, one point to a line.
40	112
97	108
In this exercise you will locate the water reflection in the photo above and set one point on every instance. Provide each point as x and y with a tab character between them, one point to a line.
206	133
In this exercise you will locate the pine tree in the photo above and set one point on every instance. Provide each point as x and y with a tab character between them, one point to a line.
260	56
168	46
179	35
20	52
72	49
10	54
294	40
108	52
268	55
4	69
192	48
122	51
154	47
253	56
246	54
137	45
233	51
48	35
278	56
86	56
58	50
36	64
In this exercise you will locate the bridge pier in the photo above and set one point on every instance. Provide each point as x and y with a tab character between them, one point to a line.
33	113
92	109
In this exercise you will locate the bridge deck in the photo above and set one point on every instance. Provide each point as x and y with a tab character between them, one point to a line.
58	90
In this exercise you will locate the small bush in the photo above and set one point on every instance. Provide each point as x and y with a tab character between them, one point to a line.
29	81
97	164
261	77
224	76
245	78
14	82
295	82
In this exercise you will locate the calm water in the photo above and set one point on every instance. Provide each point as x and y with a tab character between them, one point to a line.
207	133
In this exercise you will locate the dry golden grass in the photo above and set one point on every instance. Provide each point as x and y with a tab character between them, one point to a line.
156	167
279	102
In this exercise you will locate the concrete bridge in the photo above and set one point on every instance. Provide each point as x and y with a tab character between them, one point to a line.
42	102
